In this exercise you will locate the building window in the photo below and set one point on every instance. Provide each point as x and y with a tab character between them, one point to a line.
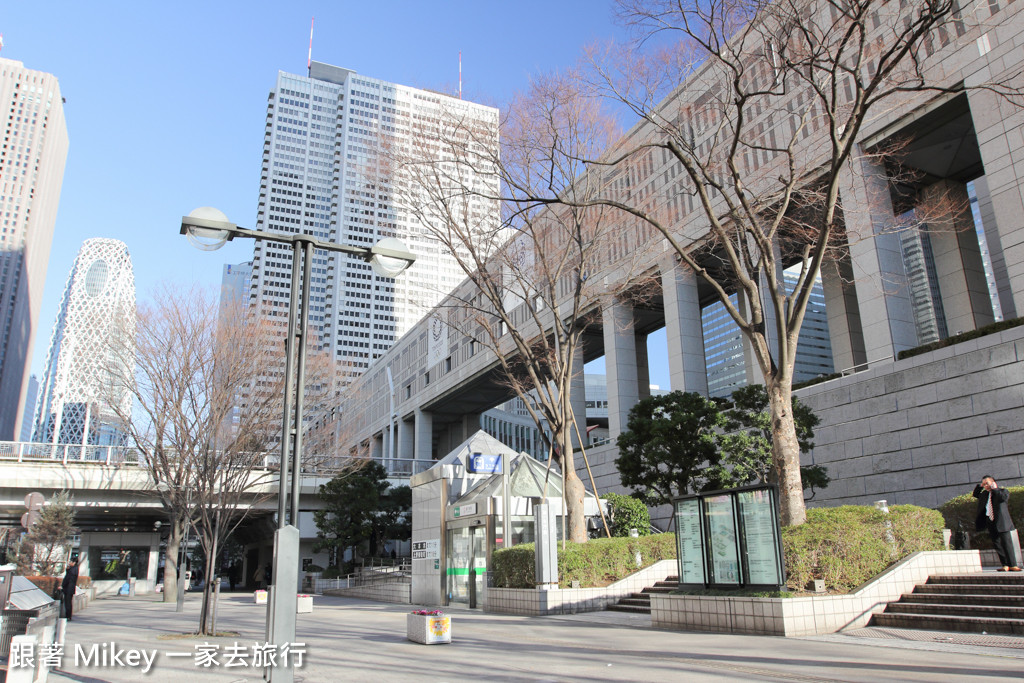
448	364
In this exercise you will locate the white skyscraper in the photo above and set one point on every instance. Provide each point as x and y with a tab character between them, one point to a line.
95	327
324	173
32	155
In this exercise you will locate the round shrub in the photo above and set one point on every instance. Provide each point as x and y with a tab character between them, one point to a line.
628	513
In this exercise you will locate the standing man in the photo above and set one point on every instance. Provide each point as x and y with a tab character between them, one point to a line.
68	586
994	515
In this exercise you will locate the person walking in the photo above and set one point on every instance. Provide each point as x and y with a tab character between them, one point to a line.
68	586
994	515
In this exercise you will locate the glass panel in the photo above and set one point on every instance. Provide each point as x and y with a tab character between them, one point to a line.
690	536
757	513
725	567
458	565
114	563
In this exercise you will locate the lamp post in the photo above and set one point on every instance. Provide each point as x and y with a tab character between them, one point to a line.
209	229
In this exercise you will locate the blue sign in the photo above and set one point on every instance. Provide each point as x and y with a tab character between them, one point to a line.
479	463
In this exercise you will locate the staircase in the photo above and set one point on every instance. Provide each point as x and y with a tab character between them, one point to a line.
971	603
640	603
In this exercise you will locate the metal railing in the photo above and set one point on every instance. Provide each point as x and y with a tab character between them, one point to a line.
123	456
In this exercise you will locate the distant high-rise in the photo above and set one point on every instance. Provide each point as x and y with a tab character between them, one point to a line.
32	156
727	369
325	174
92	344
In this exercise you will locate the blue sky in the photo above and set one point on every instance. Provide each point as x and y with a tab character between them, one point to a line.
166	102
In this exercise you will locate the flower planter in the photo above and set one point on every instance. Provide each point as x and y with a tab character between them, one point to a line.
304	604
260	597
428	629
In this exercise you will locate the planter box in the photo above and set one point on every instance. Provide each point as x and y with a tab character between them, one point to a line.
428	630
260	597
304	604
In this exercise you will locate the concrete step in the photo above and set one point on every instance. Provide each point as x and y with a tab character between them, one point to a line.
945	609
636	599
965	599
972	588
660	589
934	622
979	579
634	609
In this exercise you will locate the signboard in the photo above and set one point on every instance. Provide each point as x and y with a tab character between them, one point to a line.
757	516
478	463
690	542
730	538
723	550
427	550
465	510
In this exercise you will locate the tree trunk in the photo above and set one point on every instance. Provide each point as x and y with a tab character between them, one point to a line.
574	491
786	454
171	565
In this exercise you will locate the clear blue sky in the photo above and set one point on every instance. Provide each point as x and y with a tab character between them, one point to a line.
166	102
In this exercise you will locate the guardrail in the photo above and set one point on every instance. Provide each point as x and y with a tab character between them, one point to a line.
122	456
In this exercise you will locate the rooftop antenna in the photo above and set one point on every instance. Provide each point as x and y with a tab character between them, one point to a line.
309	56
460	74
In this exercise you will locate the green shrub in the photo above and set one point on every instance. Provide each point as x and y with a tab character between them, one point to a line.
628	513
313	568
847	545
960	513
595	563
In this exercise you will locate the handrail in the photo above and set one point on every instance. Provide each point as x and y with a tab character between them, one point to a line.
123	456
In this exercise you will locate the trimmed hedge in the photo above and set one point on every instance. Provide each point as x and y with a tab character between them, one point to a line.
960	513
847	545
595	563
965	336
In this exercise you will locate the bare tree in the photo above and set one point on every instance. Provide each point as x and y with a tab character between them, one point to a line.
753	110
539	272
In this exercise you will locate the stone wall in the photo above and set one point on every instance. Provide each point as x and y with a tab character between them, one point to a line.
391	591
923	429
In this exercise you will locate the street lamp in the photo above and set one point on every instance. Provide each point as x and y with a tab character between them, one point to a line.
209	229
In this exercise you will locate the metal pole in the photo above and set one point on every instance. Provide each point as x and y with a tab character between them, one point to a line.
282	491
300	377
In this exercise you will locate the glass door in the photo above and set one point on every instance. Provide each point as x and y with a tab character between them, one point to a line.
467	565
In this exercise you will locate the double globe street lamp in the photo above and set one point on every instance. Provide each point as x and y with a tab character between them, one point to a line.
209	229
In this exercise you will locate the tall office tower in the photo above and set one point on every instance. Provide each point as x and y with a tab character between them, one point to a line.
325	173
234	286
724	358
92	346
35	147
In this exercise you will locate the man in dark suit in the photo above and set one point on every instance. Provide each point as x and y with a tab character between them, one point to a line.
68	586
994	515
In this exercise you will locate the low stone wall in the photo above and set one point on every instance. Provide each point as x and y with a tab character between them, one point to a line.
391	591
572	600
811	615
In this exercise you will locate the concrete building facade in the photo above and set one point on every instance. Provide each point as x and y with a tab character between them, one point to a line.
32	156
955	138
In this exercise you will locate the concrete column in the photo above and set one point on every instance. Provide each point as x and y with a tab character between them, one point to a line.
957	258
643	372
424	439
620	365
686	363
883	293
406	440
997	123
844	329
470	425
578	398
1004	294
